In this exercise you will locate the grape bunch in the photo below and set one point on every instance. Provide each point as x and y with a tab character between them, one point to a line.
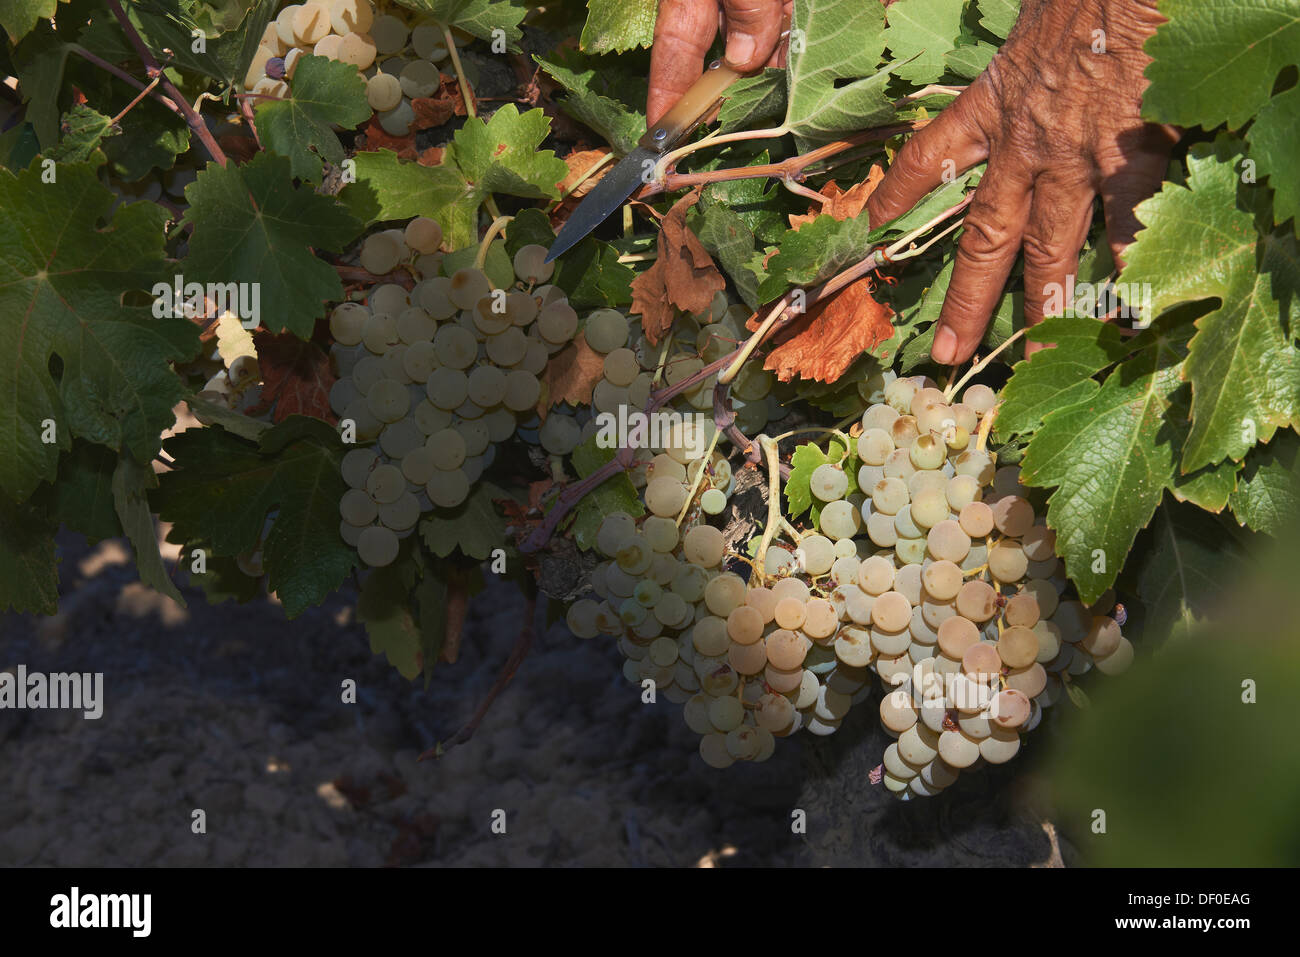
433	379
351	31
937	577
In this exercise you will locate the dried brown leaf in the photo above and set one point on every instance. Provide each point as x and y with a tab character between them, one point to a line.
296	378
833	335
571	375
842	205
684	275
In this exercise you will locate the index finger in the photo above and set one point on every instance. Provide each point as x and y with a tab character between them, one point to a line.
684	31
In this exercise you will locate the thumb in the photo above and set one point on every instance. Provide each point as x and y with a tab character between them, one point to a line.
753	27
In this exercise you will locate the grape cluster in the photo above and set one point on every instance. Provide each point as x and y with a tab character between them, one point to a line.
937	577
435	378
351	31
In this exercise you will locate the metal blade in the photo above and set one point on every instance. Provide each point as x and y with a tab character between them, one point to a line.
607	195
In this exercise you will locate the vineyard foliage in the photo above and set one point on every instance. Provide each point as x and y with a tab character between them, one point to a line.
1158	450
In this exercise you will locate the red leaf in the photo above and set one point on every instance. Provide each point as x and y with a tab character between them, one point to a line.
833	335
571	375
684	276
840	205
296	377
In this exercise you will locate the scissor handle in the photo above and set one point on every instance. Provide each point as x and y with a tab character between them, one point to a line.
688	112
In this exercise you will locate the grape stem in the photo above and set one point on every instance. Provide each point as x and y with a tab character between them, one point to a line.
124	77
139	96
974	370
986	426
699	477
773	504
154	71
498	226
517	654
818	430
465	91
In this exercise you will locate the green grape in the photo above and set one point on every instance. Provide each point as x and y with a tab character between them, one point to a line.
347	322
388	400
415	325
419	360
388	298
500	424
818	554
713	501
491	316
475	436
467	287
422	234
828	482
486	386
418	465
606	330
402	514
401	438
356	466
357	508
508	348
557	323
559	434
377	546
980	398
647	594
621	367
448	447
448	388
661	533
435	298
429	417
703	545
905	525
447	488
898	394
946	540
927	452
385	484
380	254
664	496
456	347
929	508
634	555
366	373
342	394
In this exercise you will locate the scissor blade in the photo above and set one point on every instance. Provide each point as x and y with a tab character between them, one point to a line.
607	195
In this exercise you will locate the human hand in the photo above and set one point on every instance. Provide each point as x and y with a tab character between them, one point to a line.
685	30
1057	114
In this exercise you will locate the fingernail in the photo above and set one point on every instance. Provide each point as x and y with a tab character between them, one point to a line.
944	349
740	49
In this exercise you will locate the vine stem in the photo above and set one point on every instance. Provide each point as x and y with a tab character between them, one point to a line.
498	226
465	93
699	477
986	426
819	430
125	77
715	139
139	96
773	504
152	68
974	370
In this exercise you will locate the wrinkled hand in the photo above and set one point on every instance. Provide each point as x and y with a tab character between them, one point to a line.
685	30
1059	125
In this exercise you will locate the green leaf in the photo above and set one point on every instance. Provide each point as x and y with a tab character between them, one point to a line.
499	156
384	607
131	484
1274	143
804	461
83	129
19	16
620	125
210	413
615	494
998	16
477	17
1058	377
476	526
970	60
151	135
39	62
754	102
832	84
725	235
61	279
431	602
818	250
1243	365
1268	496
325	93
222	488
530	227
1110	457
81	497
29	567
614	26
922	31
222	579
1078	697
759	205
251	224
590	273
1215	61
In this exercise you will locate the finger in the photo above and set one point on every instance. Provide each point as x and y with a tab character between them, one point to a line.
1059	215
753	27
986	252
952	144
1131	171
684	32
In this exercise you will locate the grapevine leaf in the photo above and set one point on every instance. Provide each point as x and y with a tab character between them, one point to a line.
998	16
296	378
325	93
840	204
1215	62
251	224
39	61
725	235
384	607
1268	497
222	488
798	491
1182	571
571	375
620	125
479	18
817	250
210	413
131	484
1058	377
614	26
82	496
832	83
754	102
61	279
1209	488
615	494
1273	145
683	276
83	129
29	567
591	275
1243	366
1110	457
758	204
969	60
499	156
18	17
475	526
833	335
922	31
151	135
223	580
